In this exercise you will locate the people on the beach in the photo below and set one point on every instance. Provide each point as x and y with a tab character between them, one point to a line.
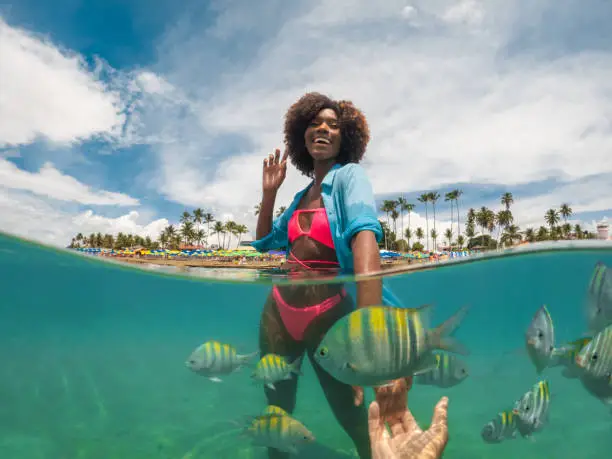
331	226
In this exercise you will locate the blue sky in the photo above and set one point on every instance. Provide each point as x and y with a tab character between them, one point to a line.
118	118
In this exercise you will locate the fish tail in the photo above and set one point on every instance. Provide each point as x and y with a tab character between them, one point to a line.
296	366
440	336
246	358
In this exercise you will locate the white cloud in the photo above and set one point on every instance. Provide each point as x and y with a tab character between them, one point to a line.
468	12
49	92
443	104
51	183
43	220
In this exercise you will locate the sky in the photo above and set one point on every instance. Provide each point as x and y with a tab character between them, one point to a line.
118	118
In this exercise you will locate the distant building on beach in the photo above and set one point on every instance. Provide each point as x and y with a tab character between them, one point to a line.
603	229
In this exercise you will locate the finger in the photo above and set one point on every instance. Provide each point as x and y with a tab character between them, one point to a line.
440	414
271	159
408	383
409	423
276	156
358	395
375	425
397	426
285	155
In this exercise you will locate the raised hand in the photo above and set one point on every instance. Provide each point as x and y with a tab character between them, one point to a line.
274	171
407	440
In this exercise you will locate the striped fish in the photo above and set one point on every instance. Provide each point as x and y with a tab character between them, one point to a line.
565	356
374	345
273	409
500	428
540	339
450	370
596	357
272	368
279	431
532	409
213	359
599	299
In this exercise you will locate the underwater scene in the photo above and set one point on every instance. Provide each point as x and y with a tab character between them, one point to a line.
101	360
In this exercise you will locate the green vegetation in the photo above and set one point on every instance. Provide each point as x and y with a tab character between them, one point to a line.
497	228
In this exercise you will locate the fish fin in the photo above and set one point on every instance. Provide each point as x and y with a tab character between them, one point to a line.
440	336
569	373
215	379
246	358
425	364
296	366
271	386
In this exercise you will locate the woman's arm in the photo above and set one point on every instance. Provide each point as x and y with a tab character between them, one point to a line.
266	213
366	259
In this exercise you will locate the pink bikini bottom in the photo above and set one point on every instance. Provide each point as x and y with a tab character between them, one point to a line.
297	319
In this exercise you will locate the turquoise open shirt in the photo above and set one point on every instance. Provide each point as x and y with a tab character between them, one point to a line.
350	206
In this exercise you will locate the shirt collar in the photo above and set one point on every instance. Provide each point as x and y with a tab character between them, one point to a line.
328	180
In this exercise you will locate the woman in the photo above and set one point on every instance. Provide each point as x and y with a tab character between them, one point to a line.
330	227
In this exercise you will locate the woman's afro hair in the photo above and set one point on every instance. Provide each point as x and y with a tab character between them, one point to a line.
354	129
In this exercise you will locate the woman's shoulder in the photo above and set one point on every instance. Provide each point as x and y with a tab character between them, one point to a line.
352	171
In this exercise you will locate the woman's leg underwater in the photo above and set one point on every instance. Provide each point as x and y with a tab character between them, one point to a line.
340	396
274	338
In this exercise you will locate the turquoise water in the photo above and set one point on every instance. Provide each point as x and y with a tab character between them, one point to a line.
93	358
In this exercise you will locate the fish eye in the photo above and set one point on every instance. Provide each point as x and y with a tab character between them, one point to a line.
192	362
323	352
594	356
540	334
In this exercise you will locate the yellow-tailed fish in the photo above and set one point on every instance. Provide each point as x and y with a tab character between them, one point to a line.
532	409
500	428
374	345
565	356
273	409
595	358
213	359
278	431
449	371
272	368
540	339
599	299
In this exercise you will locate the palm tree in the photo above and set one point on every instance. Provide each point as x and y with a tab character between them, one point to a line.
257	209
208	219
530	235
542	234
198	216
401	202
551	218
434	237
218	229
280	211
419	234
450	197
424	198
565	211
408	234
448	234
394	216
460	241
199	236
187	231
577	231
457	193
507	199
409	207
511	235
433	197
186	217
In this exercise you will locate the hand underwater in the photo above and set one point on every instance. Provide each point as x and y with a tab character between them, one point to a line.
407	439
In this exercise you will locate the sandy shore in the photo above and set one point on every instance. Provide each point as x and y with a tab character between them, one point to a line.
199	263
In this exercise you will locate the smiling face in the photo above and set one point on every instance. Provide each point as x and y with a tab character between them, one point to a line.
323	136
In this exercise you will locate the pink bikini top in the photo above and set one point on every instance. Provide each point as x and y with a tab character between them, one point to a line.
319	227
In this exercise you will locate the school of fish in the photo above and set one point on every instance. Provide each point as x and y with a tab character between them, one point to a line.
375	345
